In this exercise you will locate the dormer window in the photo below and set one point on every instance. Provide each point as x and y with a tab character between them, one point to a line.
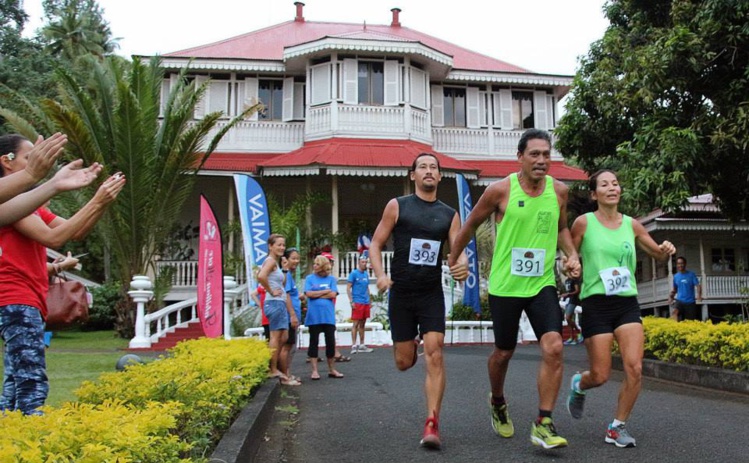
371	83
455	107
270	93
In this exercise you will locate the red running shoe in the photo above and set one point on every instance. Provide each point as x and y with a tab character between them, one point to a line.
431	439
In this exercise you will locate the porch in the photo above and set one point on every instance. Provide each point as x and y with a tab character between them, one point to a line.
716	289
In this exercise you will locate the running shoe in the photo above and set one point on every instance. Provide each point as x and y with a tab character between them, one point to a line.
363	348
501	421
579	339
544	434
431	439
576	400
619	436
354	349
569	342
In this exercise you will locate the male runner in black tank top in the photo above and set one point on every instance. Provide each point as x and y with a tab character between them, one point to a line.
420	225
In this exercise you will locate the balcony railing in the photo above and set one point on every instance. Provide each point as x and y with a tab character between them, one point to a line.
714	288
185	272
266	136
479	142
368	121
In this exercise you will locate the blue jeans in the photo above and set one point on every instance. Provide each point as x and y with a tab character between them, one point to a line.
25	384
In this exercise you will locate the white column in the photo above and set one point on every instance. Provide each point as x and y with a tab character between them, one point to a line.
230	293
230	215
334	221
703	282
140	293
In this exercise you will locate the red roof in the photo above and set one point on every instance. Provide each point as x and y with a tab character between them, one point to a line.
366	153
373	154
237	162
269	44
501	169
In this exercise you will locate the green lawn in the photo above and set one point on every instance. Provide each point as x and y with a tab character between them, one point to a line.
75	356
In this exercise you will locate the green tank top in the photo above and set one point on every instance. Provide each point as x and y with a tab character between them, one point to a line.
608	258
526	243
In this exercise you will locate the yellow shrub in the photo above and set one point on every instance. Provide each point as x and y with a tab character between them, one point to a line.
164	411
701	343
111	432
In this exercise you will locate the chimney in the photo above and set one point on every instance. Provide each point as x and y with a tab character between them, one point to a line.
396	12
299	12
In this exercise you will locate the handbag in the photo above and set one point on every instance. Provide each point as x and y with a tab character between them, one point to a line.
67	303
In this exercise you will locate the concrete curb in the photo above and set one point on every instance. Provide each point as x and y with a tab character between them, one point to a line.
695	375
241	442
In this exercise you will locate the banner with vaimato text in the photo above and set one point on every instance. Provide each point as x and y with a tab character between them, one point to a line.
471	286
255	220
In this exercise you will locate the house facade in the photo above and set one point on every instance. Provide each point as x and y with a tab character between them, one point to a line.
347	107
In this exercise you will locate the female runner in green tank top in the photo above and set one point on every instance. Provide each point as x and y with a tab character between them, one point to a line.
606	239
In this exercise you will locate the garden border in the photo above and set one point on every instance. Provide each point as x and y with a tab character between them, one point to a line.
694	375
242	440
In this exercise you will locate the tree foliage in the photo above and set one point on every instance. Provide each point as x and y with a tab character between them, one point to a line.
663	98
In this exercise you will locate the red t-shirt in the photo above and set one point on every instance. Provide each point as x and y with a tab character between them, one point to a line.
23	267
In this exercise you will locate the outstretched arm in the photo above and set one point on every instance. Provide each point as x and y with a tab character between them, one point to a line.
40	160
70	177
659	252
59	231
564	239
459	271
488	202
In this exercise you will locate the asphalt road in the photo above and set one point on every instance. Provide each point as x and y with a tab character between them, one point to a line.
376	414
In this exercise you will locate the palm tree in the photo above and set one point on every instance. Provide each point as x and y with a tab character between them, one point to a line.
117	119
77	28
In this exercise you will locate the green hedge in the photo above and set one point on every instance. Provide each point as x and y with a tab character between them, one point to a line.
171	410
698	343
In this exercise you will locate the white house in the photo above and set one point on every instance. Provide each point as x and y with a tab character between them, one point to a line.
348	107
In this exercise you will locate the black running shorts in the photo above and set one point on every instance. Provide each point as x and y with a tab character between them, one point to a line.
542	310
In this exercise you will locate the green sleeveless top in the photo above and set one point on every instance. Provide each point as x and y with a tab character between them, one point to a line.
526	243
608	258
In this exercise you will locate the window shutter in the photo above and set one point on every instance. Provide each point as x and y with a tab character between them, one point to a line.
550	108
218	97
320	84
503	110
540	111
484	119
418	88
350	81
250	95
200	108
438	106
287	112
392	83
472	108
298	101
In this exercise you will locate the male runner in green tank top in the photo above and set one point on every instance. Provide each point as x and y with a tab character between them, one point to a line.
531	219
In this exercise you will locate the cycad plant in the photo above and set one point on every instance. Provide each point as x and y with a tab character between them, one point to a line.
117	118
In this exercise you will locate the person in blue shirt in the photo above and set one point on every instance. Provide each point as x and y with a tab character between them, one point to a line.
685	282
358	293
321	289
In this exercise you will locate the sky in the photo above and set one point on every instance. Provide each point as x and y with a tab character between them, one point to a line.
543	36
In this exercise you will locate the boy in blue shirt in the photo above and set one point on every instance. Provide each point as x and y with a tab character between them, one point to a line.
685	282
358	294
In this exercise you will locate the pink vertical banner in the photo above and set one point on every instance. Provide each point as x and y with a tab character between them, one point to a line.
210	273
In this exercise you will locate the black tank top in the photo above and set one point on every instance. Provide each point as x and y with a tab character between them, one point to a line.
419	240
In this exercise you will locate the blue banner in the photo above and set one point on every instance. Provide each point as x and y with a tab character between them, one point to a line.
255	220
471	285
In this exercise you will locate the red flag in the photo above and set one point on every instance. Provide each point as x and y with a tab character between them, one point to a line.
210	273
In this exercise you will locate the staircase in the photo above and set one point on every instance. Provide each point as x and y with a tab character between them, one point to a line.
192	330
